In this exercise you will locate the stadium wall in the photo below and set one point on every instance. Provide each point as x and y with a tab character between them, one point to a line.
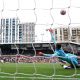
33	49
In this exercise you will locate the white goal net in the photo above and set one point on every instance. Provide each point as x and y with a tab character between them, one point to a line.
41	14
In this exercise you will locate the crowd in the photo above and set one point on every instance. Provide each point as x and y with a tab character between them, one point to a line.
27	59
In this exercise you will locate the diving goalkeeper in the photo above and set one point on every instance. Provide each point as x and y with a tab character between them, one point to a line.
59	53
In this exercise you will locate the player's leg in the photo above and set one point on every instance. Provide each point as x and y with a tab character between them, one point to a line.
64	64
72	60
74	63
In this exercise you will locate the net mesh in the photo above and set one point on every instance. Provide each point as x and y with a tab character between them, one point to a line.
45	14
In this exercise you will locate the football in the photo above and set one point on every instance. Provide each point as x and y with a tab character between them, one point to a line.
62	12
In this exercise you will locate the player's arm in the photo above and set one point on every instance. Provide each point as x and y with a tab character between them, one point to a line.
52	35
48	55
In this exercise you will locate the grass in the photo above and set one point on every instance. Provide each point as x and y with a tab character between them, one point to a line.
37	71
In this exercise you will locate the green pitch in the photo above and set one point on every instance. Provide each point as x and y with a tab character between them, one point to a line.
38	71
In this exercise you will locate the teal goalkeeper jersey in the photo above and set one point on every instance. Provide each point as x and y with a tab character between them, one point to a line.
70	58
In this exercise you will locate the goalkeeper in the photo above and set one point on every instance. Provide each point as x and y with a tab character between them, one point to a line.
59	52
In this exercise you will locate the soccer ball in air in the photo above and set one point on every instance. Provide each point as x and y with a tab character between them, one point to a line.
62	12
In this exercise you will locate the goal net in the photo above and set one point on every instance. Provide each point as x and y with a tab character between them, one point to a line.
24	22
